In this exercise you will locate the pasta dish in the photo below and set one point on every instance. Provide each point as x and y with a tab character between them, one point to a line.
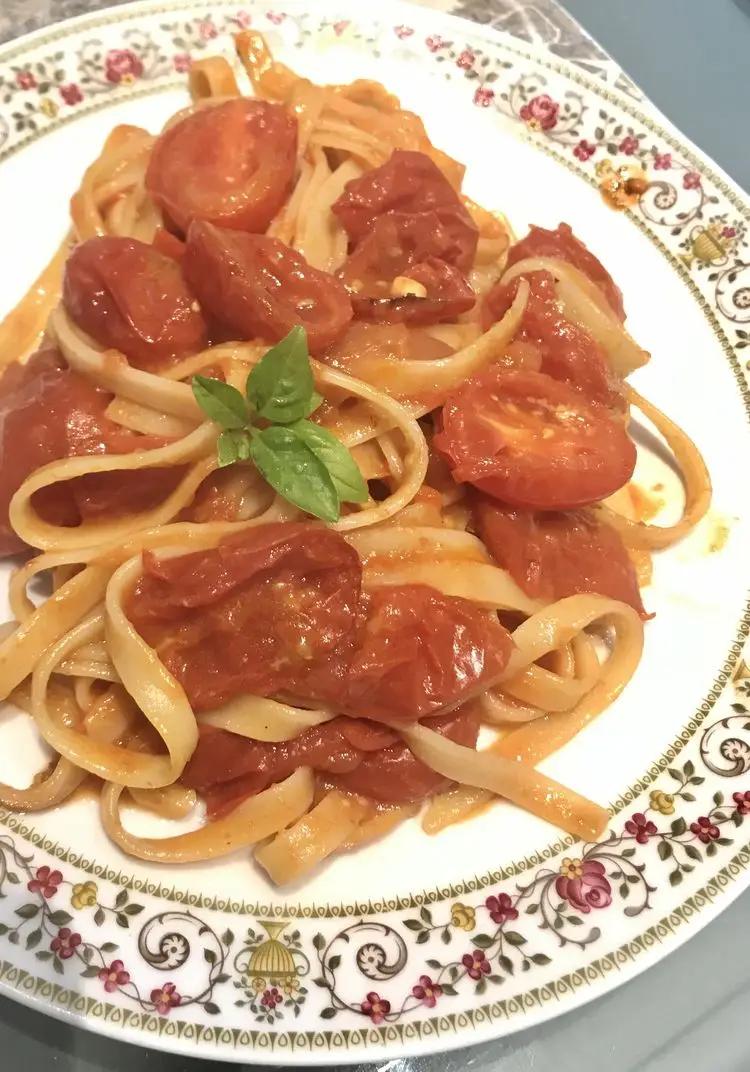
317	472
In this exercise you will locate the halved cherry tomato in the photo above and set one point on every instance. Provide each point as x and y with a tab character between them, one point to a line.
422	651
271	609
231	163
553	555
566	352
408	183
48	412
129	297
258	286
532	441
562	243
448	295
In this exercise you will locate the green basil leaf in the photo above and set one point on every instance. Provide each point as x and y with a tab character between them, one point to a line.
315	401
294	471
233	446
221	402
280	387
349	483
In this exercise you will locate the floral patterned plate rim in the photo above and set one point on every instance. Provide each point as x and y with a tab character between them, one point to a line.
396	969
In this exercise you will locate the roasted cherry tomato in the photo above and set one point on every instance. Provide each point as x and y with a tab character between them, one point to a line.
357	755
532	441
394	775
393	244
409	183
422	651
448	295
257	286
130	297
168	244
566	352
231	163
553	555
265	611
564	245
48	412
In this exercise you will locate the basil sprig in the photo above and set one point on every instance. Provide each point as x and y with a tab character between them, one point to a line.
302	461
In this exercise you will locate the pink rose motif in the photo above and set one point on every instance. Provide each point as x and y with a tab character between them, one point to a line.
243	19
476	964
165	998
435	42
705	830
640	827
65	943
501	908
741	800
271	998
276	17
541	112
691	180
466	60
403	31
375	1007
71	94
584	884
629	145
484	97
122	65
427	991
114	976
662	161
45	881
339	27
25	80
207	30
182	62
729	232
584	150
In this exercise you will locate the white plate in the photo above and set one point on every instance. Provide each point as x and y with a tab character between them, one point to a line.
374	923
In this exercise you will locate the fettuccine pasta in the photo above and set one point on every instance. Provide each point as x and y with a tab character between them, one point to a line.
326	471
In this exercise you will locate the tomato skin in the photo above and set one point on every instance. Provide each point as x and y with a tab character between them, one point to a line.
448	295
130	297
393	244
553	555
356	755
563	244
258	286
168	244
231	164
408	184
532	441
394	775
49	412
567	352
421	651
270	609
